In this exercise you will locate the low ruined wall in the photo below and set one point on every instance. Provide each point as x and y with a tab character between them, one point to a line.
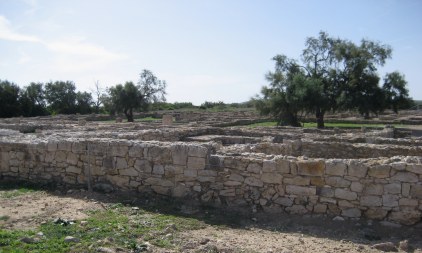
388	189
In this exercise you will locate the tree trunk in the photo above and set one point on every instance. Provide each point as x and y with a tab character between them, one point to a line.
129	115
320	118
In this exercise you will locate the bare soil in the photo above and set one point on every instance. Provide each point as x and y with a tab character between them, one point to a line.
224	231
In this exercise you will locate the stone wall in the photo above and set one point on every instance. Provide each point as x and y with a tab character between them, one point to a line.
376	188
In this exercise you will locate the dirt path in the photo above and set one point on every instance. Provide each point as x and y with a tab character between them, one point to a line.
250	233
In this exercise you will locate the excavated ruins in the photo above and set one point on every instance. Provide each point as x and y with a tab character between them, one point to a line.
369	173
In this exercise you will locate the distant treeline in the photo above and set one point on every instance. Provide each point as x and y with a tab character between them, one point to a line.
61	97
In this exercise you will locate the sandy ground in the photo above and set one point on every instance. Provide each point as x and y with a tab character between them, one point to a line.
251	233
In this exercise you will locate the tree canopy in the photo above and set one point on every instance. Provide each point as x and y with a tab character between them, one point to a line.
129	97
332	74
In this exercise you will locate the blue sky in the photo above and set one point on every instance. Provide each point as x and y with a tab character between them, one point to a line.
215	50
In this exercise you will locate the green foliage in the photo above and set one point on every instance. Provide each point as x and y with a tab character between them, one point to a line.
129	97
9	99
333	74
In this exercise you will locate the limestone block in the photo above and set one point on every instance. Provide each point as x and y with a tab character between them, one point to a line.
408	202
143	165
301	190
311	168
73	169
356	187
197	188
198	151
415	168
190	173
407	177
357	169
134	184
196	163
351	213
72	158
408	217
398	166
373	189
120	181
232	183
52	146
345	194
236	177
252	181
269	166
206	179
235	163
298	180
179	154
379	171
158	169
254	168
405	189
283	166
320	208
153	181
136	151
129	172
121	163
335	167
416	191
284	201
64	145
390	200
271	178
393	188
371	201
167	119
317	181
207	173
345	203
60	156
337	182
69	179
228	192
49	157
296	209
179	191
160	154
118	150
97	171
161	190
172	170
325	192
376	213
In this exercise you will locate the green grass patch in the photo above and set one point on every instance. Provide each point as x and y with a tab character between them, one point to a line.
147	119
4	217
16	192
119	226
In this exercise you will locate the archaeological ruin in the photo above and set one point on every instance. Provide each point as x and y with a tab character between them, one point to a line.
373	173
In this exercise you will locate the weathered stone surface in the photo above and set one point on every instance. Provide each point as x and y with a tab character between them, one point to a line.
254	168
271	178
356	187
301	190
326	192
236	177
390	200
158	169
337	182
357	169
311	168
198	151
414	168
297	209
297	180
345	194
143	165
373	189
408	202
393	188
196	163
320	208
269	166
376	213
335	167
283	166
284	201
351	213
73	169
232	183
179	154
405	217
317	181
371	201
379	171
408	177
120	181
254	181
228	192
129	172
416	191
121	163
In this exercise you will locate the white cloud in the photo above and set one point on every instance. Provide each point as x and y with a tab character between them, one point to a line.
7	33
24	57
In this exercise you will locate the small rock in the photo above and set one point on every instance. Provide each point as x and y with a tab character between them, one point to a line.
360	248
30	240
105	250
254	219
83	222
71	239
404	245
135	208
41	234
338	218
70	191
204	241
385	246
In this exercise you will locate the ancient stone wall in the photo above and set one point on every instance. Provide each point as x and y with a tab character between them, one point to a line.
389	188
